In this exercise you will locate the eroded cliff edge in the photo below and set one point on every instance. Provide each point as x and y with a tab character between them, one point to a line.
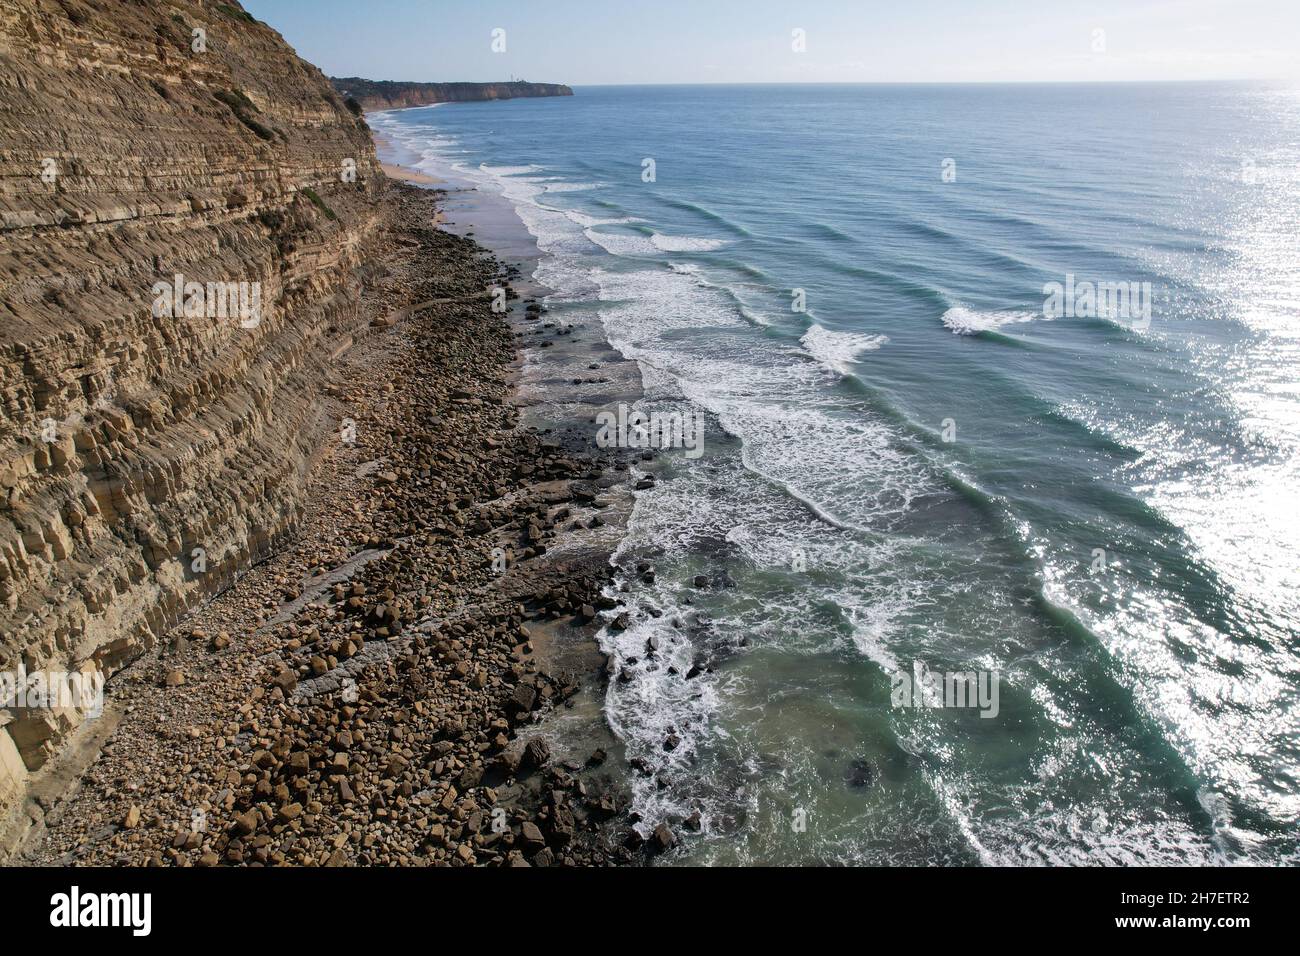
147	454
391	95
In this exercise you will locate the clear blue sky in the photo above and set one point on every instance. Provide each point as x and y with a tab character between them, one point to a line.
750	41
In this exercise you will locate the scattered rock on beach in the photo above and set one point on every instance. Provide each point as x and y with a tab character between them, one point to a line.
368	713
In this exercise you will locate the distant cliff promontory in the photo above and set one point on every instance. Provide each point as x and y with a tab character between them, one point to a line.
390	95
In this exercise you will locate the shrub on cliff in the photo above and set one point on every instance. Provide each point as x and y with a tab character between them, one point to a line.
235	12
319	203
243	108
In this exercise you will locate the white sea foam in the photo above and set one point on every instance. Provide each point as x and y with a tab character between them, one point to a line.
964	321
838	350
587	222
754	315
404	109
843	465
509	170
622	243
686	243
566	187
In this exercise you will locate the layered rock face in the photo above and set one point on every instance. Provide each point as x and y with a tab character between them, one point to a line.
390	95
185	210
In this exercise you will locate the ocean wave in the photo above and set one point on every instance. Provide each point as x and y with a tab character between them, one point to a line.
587	222
709	214
510	170
847	470
753	314
964	321
831	232
622	244
406	109
838	350
686	243
566	187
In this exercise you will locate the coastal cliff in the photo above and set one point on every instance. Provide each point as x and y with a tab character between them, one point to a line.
389	95
184	211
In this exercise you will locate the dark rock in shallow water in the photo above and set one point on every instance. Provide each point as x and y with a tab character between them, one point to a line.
860	774
662	839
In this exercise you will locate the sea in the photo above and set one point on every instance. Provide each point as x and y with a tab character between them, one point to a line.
991	554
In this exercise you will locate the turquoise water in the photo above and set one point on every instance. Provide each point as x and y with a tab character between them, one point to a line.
1101	510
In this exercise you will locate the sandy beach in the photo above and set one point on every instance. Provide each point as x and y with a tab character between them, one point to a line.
406	174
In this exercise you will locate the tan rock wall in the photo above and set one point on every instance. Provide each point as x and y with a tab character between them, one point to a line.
133	149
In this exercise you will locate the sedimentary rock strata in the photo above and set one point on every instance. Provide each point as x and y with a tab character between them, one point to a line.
154	445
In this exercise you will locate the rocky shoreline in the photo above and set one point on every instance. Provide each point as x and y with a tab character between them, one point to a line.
373	694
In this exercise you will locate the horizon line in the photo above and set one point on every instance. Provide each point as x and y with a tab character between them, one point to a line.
1242	79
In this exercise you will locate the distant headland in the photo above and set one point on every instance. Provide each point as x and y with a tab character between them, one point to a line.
391	95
